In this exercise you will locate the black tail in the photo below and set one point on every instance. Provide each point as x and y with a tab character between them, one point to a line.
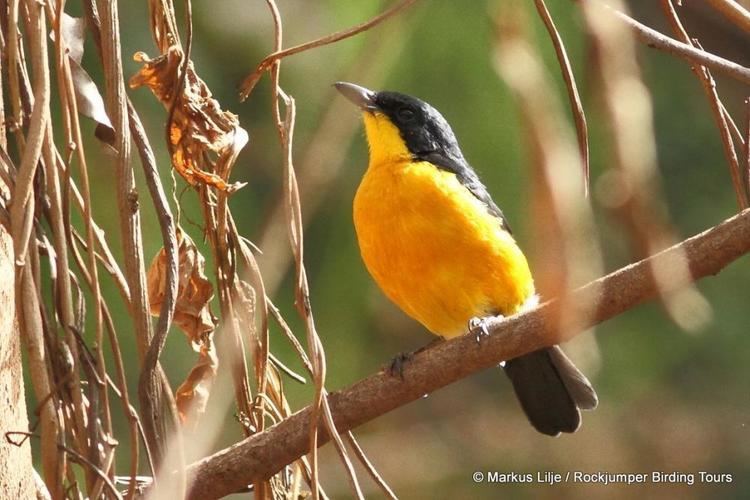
551	390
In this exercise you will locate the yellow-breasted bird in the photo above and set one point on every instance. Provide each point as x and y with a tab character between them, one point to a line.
441	249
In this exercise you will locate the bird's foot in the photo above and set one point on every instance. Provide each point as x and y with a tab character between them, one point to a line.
396	366
479	327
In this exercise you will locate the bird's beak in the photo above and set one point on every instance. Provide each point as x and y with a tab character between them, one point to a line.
362	97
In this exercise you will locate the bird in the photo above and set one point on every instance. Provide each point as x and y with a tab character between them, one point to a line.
441	249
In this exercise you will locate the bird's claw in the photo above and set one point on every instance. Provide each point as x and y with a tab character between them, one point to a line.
396	366
479	327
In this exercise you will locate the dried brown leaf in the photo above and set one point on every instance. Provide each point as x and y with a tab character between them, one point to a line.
158	74
192	395
91	104
192	313
73	31
199	127
88	97
193	316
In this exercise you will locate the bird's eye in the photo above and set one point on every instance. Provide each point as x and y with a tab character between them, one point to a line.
406	114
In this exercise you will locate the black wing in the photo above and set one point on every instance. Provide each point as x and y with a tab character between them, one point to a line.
469	179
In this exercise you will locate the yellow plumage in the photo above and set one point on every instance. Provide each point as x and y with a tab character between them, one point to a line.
429	243
438	246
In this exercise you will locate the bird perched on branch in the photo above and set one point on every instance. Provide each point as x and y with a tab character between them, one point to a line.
441	249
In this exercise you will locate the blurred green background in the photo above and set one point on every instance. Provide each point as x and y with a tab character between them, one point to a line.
669	401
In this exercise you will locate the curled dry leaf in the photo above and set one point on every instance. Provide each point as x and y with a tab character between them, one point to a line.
194	291
193	316
201	135
73	31
191	397
88	98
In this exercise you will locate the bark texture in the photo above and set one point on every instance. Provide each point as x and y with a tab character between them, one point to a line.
16	472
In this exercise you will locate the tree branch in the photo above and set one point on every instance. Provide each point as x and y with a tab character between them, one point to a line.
261	455
656	40
734	12
249	83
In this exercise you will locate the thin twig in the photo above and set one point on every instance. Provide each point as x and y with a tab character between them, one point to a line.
90	270
640	206
76	456
734	12
290	335
570	84
568	252
302	302
86	427
135	427
30	326
150	369
27	304
285	369
20	216
249	83
317	357
255	279
129	216
105	257
64	303
169	240
320	162
717	107
387	491
656	40
733	126
285	130
94	468
14	57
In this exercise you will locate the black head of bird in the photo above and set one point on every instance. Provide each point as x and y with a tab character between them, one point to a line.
423	129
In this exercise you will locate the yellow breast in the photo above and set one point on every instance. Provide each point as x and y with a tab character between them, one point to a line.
434	249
